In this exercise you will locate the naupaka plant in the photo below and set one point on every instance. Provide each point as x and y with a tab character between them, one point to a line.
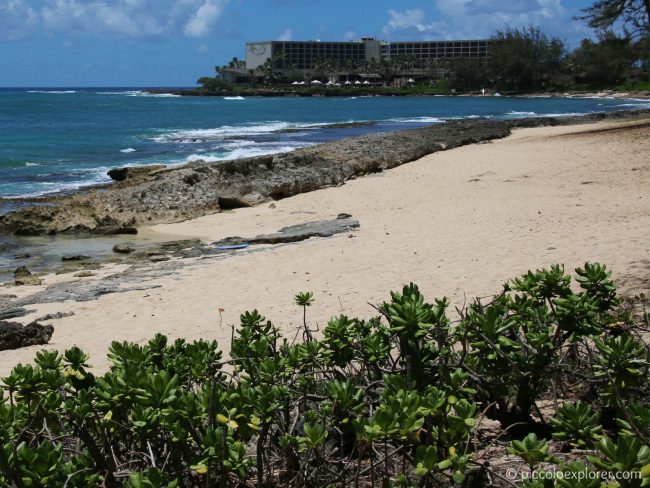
400	398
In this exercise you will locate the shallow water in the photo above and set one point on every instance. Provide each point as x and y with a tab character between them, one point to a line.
42	254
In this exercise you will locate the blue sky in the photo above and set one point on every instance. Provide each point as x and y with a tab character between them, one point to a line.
173	42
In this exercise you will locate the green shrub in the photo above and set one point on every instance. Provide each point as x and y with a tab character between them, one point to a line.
398	398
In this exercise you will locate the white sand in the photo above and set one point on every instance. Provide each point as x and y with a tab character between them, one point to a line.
458	223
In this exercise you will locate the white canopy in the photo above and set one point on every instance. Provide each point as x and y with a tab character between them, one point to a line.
411	80
295	83
347	83
316	82
366	82
357	82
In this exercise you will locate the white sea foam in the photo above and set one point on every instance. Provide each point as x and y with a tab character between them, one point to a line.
244	149
127	150
463	117
234	98
639	104
218	133
515	113
154	95
129	92
54	92
565	114
95	176
29	165
420	120
139	93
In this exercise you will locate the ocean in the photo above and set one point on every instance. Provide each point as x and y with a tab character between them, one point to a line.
54	140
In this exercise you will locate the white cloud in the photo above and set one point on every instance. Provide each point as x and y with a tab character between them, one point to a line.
349	35
472	18
497	6
203	19
17	19
406	19
119	18
287	35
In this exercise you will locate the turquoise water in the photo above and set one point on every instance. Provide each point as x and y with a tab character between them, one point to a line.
57	140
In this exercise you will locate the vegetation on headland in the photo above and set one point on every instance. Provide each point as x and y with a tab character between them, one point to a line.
521	61
399	400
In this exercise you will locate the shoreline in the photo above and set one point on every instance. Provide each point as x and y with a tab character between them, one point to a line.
289	91
177	193
455	222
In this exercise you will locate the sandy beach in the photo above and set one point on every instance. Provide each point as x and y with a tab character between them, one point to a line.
458	223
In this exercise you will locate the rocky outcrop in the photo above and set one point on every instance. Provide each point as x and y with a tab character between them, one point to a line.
22	276
200	188
132	174
14	335
296	233
122	249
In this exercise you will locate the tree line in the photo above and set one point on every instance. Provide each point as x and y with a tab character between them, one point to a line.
529	60
521	60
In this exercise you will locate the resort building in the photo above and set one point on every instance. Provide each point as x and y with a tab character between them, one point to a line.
367	59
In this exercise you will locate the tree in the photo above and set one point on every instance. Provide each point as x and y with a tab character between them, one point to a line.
469	74
525	59
604	63
212	85
635	14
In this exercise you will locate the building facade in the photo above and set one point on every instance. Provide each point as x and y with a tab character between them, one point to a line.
305	55
439	49
335	60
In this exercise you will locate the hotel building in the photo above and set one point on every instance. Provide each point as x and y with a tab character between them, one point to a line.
344	59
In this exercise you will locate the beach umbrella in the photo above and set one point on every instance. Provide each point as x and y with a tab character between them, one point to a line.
357	82
411	80
295	83
366	82
347	83
329	83
316	82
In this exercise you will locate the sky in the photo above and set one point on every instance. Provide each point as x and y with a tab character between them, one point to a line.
171	43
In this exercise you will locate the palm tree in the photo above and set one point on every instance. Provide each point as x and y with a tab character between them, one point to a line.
351	67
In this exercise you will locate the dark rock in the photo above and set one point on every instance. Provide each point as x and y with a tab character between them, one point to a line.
13	335
24	277
158	259
55	316
191	179
343	216
133	172
13	312
115	231
76	257
122	249
22	272
295	233
22	256
180	243
240	201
